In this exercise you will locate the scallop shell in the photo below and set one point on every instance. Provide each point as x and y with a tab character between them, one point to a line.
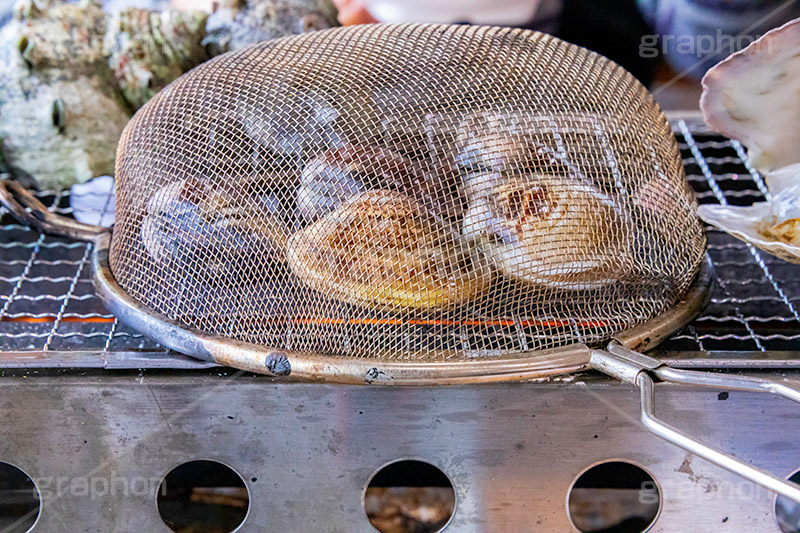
752	96
773	226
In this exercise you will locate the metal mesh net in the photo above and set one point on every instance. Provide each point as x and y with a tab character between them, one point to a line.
416	192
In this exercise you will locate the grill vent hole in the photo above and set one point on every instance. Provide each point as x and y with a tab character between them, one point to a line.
787	511
614	496
203	496
409	496
19	500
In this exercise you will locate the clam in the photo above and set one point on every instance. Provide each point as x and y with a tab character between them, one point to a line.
221	232
382	249
549	230
339	174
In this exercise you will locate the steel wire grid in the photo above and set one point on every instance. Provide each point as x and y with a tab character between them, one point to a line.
50	315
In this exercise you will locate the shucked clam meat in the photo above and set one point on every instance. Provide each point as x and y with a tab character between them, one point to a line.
548	230
220	231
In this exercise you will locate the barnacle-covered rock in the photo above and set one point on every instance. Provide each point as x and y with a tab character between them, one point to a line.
237	23
61	114
148	49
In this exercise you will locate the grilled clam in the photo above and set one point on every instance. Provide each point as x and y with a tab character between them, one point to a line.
382	248
191	222
305	123
495	140
548	230
338	174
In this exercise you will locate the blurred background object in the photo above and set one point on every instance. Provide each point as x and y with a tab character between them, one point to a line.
234	24
75	71
61	113
64	135
693	35
148	49
509	12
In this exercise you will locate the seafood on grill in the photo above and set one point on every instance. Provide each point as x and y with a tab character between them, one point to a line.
220	231
294	122
774	225
384	250
497	140
549	230
235	24
752	96
481	183
148	49
61	113
338	174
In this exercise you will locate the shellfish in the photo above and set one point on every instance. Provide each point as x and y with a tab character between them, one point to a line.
381	248
548	230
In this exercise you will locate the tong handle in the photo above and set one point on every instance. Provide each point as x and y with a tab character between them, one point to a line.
641	370
26	208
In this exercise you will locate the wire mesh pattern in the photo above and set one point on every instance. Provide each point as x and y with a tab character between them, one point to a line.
331	193
756	300
47	302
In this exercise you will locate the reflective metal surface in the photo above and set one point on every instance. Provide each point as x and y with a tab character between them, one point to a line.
306	450
641	370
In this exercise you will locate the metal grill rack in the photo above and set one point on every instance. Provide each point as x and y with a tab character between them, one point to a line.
50	315
756	300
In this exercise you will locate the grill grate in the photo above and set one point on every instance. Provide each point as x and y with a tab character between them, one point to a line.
754	306
48	305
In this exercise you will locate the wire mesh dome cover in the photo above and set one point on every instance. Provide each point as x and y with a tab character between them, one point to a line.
418	192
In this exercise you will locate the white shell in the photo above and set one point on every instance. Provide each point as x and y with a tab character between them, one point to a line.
752	96
757	223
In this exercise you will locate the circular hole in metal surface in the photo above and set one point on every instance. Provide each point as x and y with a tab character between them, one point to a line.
614	497
203	496
19	500
788	511
409	496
